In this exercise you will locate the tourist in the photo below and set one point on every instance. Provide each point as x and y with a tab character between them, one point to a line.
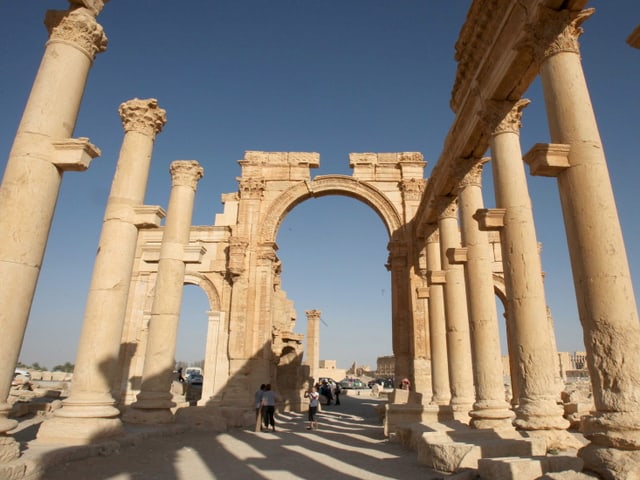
258	404
268	407
337	392
313	397
405	384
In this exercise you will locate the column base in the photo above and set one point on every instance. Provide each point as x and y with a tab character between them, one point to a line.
460	411
540	415
611	463
78	431
491	414
148	416
613	429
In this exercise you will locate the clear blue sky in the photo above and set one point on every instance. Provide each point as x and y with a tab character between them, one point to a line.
331	76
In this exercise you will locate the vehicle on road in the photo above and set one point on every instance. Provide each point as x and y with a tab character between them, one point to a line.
353	384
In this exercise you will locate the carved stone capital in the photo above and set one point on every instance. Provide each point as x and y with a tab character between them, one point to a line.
555	32
142	116
447	207
95	6
398	254
504	116
267	256
251	188
185	173
313	314
413	188
434	236
77	28
473	175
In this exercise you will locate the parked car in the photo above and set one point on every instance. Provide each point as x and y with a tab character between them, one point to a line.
384	387
353	384
194	379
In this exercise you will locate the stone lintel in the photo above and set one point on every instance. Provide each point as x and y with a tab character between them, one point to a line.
422	292
547	159
148	216
490	218
73	154
436	277
634	38
191	253
457	255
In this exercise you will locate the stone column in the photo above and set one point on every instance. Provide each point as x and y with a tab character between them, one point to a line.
400	310
155	400
490	409
313	341
437	322
603	284
458	342
89	412
41	152
533	339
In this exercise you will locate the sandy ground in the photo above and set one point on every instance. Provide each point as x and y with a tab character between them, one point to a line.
348	445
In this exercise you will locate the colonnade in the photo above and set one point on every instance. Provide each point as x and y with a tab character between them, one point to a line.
465	368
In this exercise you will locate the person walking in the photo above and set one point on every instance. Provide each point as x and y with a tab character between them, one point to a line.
269	407
314	398
337	392
258	404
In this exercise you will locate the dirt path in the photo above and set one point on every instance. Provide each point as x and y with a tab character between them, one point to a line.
348	445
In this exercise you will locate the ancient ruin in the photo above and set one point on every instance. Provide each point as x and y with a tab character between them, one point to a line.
449	257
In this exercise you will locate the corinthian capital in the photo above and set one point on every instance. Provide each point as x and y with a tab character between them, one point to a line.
413	188
555	32
504	116
143	116
77	28
447	206
251	188
185	173
473	176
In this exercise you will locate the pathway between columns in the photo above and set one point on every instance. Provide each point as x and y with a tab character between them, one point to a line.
349	444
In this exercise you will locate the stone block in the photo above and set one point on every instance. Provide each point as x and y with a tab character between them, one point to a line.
527	468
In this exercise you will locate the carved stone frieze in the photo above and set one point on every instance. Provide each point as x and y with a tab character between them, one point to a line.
77	28
555	32
185	173
142	116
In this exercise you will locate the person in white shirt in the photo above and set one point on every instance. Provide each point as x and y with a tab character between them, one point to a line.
313	397
269	407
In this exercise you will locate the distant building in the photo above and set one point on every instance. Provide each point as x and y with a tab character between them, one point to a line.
386	366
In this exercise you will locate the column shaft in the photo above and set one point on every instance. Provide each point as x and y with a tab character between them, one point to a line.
437	325
458	341
602	280
539	391
155	400
31	181
89	412
490	409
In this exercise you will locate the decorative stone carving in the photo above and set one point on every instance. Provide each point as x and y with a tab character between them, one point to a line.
473	175
185	173
142	116
251	188
555	32
237	251
447	207
412	188
504	117
76	28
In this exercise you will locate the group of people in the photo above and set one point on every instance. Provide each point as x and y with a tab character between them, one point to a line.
331	391
265	401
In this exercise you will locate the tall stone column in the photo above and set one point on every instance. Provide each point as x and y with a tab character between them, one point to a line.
400	310
458	341
533	338
603	285
42	150
155	400
89	412
490	409
437	321
313	341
